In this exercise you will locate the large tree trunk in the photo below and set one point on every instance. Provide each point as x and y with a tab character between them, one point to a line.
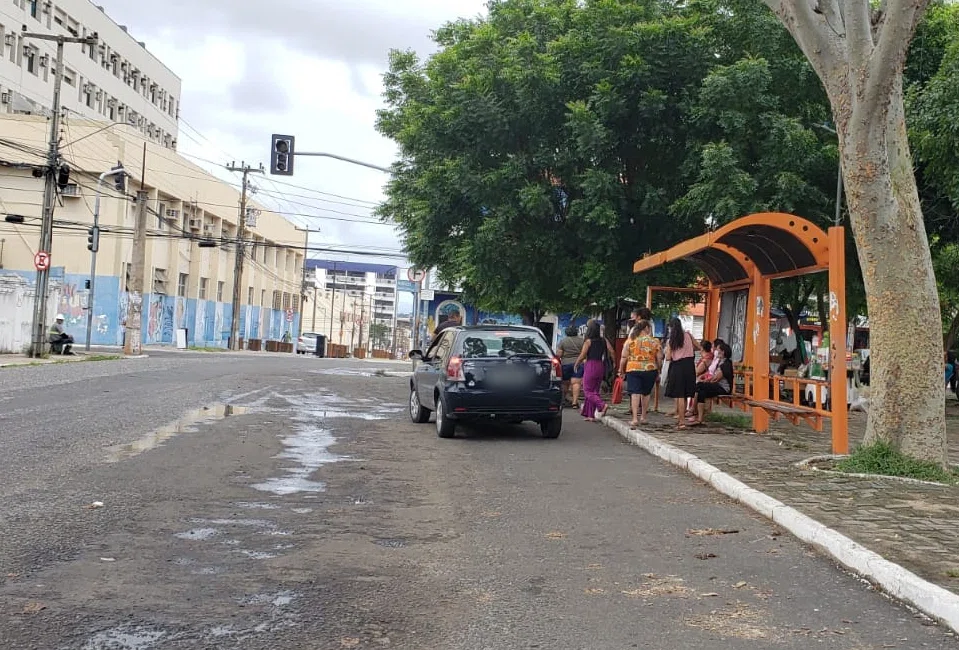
907	403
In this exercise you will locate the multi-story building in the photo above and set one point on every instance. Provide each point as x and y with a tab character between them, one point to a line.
116	80
186	286
349	296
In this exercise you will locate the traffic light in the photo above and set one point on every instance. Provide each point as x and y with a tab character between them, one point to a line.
121	182
63	176
93	239
281	155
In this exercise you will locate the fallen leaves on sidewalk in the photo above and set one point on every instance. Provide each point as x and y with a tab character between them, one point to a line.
705	556
707	532
555	534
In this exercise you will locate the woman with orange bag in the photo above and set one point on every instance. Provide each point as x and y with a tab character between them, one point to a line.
640	363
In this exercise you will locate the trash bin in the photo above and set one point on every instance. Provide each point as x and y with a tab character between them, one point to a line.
320	350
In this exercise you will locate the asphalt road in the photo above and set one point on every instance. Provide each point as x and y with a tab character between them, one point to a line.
301	509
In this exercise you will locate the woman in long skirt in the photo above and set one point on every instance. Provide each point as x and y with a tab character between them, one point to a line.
594	354
681	378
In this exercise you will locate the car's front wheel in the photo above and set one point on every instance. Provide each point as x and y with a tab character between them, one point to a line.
445	428
418	414
551	428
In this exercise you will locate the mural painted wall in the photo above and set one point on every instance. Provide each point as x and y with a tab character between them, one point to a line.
207	322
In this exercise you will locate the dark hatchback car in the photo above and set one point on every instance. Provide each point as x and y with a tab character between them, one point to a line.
503	373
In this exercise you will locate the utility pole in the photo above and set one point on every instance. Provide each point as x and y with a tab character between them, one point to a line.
50	190
94	244
306	247
332	301
132	336
240	251
133	341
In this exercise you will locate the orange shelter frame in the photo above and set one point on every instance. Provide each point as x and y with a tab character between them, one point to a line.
749	253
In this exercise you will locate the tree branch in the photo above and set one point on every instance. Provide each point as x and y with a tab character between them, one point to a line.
858	21
811	32
896	29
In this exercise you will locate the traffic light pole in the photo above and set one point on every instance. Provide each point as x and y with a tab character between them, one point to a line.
94	246
39	326
240	253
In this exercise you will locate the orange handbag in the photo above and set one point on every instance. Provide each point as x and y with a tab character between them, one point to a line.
618	390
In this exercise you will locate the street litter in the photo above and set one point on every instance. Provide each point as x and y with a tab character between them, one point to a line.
94	505
709	531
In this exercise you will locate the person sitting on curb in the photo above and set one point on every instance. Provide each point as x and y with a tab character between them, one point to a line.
60	341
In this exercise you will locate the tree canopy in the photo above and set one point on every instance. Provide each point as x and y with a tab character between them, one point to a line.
548	145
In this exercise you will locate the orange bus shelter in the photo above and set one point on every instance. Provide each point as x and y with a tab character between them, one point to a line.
746	255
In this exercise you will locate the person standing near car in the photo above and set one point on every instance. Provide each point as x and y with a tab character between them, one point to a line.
640	363
568	351
452	320
594	354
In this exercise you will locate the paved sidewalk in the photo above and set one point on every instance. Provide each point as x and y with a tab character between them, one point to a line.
10	360
913	525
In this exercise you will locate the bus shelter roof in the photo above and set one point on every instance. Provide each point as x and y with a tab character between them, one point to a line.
775	244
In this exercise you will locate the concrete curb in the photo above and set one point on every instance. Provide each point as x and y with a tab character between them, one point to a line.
932	600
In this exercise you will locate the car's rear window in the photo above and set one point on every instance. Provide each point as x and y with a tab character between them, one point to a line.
493	344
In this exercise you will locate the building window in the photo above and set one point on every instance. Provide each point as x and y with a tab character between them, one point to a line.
32	8
128	272
69	77
181	285
31	57
295	306
203	284
159	281
219	291
249	296
277	300
286	301
262	297
161	216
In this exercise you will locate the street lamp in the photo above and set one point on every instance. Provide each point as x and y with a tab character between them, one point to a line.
94	242
838	218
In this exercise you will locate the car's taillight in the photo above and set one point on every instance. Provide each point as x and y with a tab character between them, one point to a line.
454	369
557	372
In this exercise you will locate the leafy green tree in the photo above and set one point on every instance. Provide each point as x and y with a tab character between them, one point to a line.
540	149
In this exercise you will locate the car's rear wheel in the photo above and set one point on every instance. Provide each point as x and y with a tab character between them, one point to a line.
551	428
445	428
418	414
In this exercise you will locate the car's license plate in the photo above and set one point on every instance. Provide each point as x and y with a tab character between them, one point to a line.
510	378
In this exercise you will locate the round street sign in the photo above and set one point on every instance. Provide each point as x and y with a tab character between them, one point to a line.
415	275
289	315
41	261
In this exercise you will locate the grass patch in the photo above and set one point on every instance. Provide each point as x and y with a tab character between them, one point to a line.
881	458
734	420
952	573
194	348
102	357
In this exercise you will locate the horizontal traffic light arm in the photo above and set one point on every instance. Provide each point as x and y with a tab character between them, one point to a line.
320	154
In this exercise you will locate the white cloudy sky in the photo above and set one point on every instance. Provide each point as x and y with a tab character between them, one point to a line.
310	68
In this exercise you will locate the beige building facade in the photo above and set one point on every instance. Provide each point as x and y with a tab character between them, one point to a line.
187	287
116	80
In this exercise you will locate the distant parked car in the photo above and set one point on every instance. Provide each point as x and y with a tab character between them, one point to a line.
503	373
306	344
